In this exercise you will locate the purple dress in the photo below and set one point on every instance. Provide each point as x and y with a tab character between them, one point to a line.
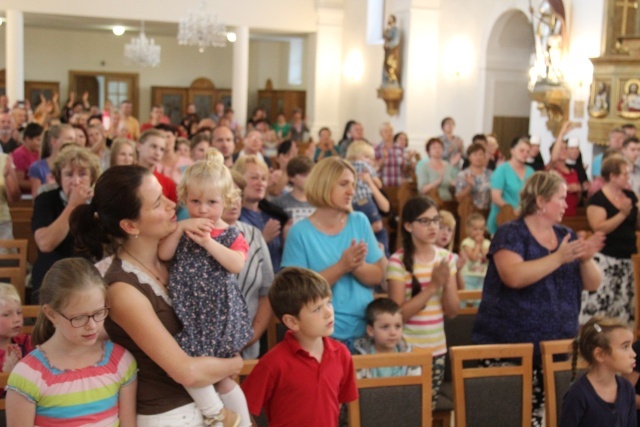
207	300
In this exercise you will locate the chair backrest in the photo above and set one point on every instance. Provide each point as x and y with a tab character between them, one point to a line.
635	260
30	314
13	264
458	330
557	371
496	395
409	396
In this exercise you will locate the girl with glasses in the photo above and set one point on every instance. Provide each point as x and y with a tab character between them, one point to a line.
422	281
73	377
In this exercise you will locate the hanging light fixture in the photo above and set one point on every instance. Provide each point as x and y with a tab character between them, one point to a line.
142	51
202	29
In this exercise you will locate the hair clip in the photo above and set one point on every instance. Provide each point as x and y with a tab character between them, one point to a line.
597	327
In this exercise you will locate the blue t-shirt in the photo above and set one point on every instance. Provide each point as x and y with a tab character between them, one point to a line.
40	170
259	220
308	247
582	406
596	166
506	179
545	310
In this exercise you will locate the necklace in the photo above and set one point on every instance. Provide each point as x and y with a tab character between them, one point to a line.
144	266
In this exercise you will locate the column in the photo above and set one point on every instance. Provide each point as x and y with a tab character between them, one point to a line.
325	71
419	21
15	56
240	79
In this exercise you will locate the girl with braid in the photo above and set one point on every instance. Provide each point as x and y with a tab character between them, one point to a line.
422	281
601	397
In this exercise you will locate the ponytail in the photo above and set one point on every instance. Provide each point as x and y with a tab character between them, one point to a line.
43	329
575	345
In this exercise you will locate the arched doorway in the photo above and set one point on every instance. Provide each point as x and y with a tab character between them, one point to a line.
507	102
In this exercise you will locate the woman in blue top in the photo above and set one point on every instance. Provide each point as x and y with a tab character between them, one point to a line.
339	245
507	181
537	271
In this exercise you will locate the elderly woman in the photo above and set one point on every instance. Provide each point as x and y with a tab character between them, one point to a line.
257	210
436	173
54	138
75	170
475	181
129	207
339	245
507	181
537	272
613	210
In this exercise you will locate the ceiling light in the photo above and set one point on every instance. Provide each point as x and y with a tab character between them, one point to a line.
200	28
231	37
142	51
118	30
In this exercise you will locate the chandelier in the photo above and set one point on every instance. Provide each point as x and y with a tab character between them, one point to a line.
199	28
142	51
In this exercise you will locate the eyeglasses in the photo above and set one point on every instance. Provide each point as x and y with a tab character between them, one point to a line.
80	321
428	221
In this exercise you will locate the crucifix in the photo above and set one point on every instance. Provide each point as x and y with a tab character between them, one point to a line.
626	5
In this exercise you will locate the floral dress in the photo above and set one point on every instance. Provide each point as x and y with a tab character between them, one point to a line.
207	300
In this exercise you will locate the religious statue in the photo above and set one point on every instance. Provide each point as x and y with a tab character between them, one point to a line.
629	103
391	66
599	106
549	31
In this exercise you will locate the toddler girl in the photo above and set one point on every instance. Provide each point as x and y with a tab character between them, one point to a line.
73	378
475	248
422	282
445	239
14	345
601	397
207	255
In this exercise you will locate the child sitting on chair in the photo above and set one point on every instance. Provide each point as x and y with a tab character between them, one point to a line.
303	380
14	344
384	335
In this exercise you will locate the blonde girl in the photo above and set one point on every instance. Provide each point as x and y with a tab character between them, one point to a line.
601	397
73	377
206	255
422	281
123	152
14	344
445	239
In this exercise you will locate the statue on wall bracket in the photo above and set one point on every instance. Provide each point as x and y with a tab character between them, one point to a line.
390	90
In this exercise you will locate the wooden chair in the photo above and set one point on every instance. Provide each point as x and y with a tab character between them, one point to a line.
499	395
13	265
4	377
409	396
635	261
30	314
556	370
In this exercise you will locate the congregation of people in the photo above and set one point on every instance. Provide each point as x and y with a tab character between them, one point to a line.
166	250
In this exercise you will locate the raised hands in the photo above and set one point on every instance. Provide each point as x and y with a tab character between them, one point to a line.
440	274
581	249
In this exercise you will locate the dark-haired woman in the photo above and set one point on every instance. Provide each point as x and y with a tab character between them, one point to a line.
129	205
422	281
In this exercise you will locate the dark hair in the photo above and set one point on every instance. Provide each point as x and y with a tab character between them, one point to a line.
519	139
33	130
397	136
442	123
116	197
65	278
479	137
167	128
630	140
432	141
347	128
86	136
285	147
594	334
198	138
323	129
380	306
295	287
612	165
300	165
414	207
628	126
476	146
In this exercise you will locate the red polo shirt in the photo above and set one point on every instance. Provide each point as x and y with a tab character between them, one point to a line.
295	390
168	187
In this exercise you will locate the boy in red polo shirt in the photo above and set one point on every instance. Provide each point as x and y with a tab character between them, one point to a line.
304	379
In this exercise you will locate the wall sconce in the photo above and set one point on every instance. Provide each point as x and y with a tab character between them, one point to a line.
353	68
118	30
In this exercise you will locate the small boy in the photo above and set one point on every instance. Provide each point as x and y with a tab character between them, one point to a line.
295	202
384	335
303	380
368	198
475	248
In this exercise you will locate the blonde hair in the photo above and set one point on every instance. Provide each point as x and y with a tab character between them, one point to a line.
359	148
540	184
323	177
117	146
64	279
74	155
241	164
210	173
448	220
8	292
